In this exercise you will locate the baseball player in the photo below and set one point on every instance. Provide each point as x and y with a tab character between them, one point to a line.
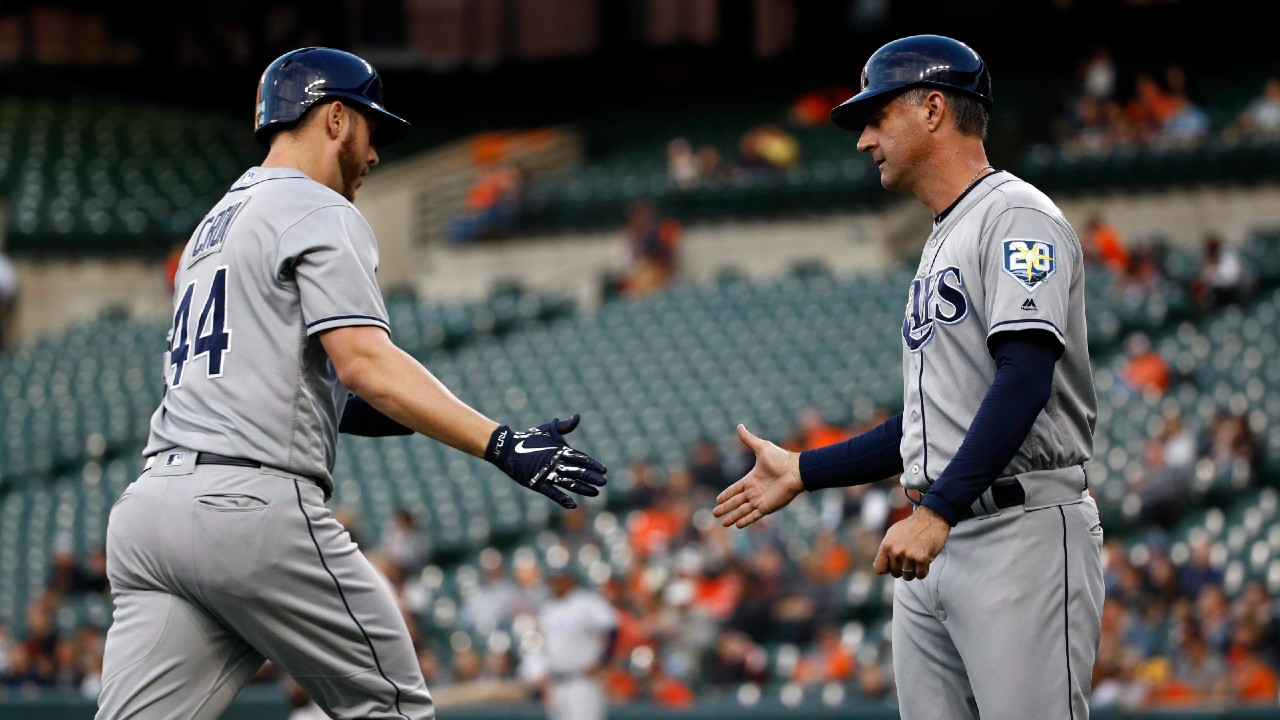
996	611
579	629
224	552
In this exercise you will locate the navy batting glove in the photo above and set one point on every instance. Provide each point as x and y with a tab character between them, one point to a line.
540	459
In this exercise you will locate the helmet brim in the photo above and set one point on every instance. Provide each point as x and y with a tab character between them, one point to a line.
852	113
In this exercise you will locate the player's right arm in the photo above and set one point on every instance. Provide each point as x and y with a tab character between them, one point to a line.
778	475
370	365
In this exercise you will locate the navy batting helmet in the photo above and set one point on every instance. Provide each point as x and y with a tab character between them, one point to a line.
918	60
295	81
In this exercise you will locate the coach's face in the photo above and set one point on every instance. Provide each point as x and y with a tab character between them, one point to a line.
896	136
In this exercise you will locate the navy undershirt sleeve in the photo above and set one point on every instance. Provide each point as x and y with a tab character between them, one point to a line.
1024	380
361	418
874	455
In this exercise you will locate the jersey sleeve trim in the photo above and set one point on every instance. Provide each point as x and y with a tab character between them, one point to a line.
337	321
1027	324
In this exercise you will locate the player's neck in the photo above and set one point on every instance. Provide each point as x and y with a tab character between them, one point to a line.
949	185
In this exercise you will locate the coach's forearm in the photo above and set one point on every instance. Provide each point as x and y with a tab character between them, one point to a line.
870	457
395	383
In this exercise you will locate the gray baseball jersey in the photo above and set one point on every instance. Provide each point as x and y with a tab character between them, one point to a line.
574	629
1007	622
277	260
1003	258
217	567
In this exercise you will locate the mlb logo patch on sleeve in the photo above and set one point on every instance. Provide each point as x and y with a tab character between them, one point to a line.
1030	262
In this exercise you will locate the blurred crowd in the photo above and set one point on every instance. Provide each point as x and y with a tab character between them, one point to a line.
1115	107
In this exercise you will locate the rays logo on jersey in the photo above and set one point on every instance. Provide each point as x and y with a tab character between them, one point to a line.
934	298
1030	262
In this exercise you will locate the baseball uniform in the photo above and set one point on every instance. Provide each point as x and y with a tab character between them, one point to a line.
1007	622
223	552
575	636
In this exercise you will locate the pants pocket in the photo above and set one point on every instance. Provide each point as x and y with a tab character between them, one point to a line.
230	502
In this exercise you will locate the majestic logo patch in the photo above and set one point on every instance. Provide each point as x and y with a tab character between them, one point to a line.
937	297
1030	262
1029	304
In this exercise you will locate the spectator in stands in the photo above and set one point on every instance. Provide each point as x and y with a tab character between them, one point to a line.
736	659
1144	370
404	542
1254	681
657	528
1222	279
653	244
827	660
1256	605
1180	451
816	431
1161	489
665	689
1233	448
68	576
1202	671
1147	276
683	172
494	206
1260	118
1095	126
8	301
1213	613
707	466
765	150
812	108
1097	73
1103	244
1149	108
1187	123
1199	571
646	484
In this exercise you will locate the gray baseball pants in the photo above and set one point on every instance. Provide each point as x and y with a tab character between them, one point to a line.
215	568
1007	623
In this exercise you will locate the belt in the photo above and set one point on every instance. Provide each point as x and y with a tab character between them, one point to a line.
213	459
1005	494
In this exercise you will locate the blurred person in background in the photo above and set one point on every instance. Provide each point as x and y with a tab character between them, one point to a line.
652	245
683	172
1260	118
8	301
579	629
1222	279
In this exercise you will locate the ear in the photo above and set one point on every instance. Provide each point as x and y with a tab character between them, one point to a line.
336	119
935	106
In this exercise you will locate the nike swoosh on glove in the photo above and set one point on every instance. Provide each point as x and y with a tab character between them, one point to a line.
540	459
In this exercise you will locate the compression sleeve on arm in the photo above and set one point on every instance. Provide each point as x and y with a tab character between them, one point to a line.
872	456
361	418
1024	380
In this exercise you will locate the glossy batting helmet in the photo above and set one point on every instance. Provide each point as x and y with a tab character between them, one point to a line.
916	61
295	81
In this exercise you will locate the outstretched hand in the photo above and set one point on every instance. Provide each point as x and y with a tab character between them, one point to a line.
541	460
771	484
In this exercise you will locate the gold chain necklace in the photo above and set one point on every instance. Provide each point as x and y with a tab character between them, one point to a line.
974	179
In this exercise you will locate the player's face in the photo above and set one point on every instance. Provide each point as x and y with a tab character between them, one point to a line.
356	156
893	137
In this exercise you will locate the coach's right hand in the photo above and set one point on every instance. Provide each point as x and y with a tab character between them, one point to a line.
773	482
540	459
